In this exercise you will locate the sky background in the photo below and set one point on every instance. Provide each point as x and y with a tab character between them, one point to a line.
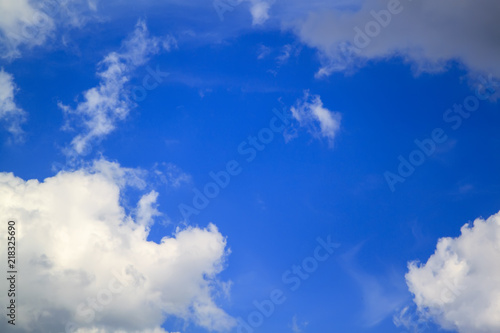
116	114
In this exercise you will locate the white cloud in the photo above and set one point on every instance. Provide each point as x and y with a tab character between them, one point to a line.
10	113
120	175
296	326
21	23
110	102
263	52
147	209
287	51
26	24
320	122
171	175
459	286
426	33
285	54
83	260
96	330
260	11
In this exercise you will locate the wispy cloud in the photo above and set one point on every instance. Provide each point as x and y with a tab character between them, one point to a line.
26	24
263	52
22	23
382	295
260	11
286	52
319	121
171	175
296	326
108	103
12	115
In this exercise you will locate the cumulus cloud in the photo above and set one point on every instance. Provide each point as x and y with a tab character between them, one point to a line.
108	103
319	121
123	177
10	113
426	33
459	286
85	265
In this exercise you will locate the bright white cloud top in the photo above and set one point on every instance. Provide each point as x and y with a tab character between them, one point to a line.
459	286
86	264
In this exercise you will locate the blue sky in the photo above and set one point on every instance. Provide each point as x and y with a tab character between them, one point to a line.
117	117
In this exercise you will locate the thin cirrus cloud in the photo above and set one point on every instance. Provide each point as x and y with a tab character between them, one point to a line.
171	175
110	102
379	299
459	285
320	122
11	114
88	267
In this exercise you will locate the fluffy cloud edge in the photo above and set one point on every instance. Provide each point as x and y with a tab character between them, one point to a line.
91	267
459	285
